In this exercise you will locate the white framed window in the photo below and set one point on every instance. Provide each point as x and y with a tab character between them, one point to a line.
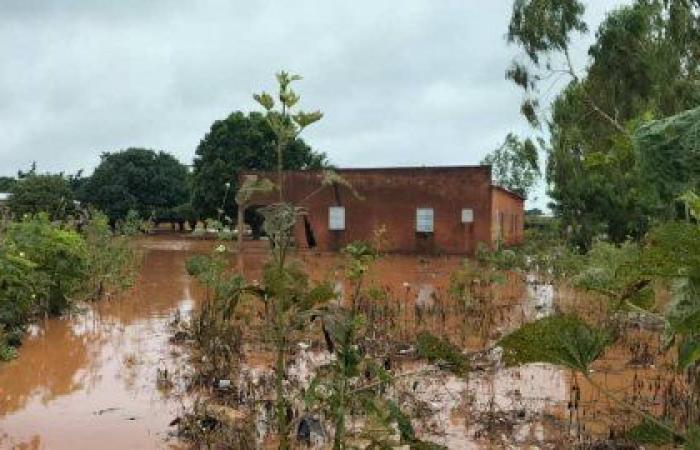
336	218
467	215
424	220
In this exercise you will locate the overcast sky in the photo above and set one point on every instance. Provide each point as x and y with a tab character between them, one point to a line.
410	82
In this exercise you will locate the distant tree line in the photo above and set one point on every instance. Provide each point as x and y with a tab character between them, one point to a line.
156	185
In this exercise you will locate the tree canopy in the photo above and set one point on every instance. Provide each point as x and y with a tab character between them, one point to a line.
49	193
7	183
240	142
136	179
668	152
514	165
644	64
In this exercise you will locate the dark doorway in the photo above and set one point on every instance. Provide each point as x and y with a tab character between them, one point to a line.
310	238
255	220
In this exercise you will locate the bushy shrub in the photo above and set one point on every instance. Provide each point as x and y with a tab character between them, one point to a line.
19	287
60	258
7	350
499	258
132	223
111	261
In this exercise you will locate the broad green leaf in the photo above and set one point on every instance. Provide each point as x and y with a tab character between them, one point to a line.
561	340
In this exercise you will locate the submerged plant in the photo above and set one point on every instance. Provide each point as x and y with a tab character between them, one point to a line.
112	262
560	340
567	341
647	432
441	351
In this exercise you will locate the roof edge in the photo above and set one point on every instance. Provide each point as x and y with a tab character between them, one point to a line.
508	192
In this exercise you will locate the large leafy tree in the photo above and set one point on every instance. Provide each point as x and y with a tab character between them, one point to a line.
49	193
668	155
139	179
240	142
644	63
515	165
7	183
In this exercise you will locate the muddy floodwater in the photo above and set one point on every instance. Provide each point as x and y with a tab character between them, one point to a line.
89	380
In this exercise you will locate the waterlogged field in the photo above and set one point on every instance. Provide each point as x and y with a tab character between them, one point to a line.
117	376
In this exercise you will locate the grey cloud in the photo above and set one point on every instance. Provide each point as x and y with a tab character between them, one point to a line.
410	82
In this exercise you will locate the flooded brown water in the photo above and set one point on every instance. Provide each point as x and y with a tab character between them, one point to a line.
89	380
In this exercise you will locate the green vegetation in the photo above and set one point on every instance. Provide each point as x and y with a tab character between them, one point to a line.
34	193
112	262
46	268
136	179
515	165
441	351
561	340
60	257
644	65
240	142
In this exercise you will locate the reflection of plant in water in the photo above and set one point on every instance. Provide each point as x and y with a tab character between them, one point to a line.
567	341
353	380
216	335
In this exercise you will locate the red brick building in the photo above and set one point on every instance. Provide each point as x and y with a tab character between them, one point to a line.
423	209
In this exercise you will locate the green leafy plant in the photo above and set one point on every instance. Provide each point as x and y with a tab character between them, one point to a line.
567	341
560	340
20	288
132	223
650	433
112	262
60	258
49	194
441	351
617	272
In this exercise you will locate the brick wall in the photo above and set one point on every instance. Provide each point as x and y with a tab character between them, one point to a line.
507	217
389	199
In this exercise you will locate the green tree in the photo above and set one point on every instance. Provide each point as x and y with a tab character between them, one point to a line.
42	193
136	179
643	63
7	183
515	165
668	154
240	142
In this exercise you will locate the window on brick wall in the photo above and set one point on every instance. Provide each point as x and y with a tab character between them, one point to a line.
424	220
467	215
336	218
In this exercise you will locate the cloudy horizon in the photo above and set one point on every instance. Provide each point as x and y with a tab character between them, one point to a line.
419	84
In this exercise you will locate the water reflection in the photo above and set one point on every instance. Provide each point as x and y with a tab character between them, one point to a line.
88	380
